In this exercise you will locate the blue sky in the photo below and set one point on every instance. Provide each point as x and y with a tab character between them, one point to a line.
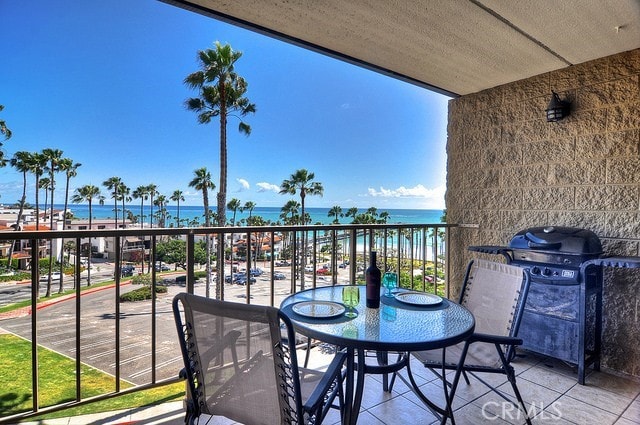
102	80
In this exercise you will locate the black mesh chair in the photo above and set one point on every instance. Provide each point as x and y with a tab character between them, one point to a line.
496	294
239	366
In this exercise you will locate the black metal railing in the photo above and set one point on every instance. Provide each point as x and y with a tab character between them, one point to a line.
292	258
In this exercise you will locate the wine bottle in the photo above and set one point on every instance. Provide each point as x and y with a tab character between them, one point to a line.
372	276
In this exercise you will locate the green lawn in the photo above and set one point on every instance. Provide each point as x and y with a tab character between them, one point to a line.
57	383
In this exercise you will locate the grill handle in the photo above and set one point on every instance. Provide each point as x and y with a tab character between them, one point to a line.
544	245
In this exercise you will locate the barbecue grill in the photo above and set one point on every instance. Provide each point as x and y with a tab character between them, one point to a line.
563	313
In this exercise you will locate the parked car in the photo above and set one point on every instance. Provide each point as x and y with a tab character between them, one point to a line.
343	265
308	269
279	276
127	270
54	276
255	272
162	268
282	263
242	280
323	271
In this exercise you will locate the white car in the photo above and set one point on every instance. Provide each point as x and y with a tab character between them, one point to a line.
54	277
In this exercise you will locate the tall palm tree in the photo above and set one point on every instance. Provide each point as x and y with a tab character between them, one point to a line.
71	170
152	191
20	161
88	193
220	92
37	165
123	195
53	159
141	193
202	181
301	182
113	185
335	211
177	196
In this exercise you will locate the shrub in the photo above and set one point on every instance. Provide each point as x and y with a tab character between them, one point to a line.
141	279
142	294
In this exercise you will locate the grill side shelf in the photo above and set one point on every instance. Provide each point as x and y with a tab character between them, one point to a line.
619	262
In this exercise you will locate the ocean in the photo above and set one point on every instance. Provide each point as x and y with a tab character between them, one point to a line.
272	214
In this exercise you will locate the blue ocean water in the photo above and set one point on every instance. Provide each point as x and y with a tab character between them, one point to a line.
272	214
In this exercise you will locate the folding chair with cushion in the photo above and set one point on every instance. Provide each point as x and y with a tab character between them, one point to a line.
238	365
495	293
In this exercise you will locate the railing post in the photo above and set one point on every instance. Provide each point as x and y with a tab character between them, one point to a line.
190	261
35	294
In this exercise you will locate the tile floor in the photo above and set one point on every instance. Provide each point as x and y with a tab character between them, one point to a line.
549	388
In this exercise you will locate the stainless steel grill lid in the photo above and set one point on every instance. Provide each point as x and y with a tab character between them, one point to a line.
559	240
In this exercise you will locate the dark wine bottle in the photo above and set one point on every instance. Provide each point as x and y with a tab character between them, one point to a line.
372	276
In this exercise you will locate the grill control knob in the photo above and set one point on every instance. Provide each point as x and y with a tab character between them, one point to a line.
546	272
535	270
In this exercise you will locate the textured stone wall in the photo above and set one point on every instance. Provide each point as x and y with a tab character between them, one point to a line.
509	169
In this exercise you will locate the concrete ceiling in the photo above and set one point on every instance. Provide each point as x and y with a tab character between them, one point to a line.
453	47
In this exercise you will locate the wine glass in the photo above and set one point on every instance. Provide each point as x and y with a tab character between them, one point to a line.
351	298
389	281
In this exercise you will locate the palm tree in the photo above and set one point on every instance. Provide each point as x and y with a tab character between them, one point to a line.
152	190
291	207
202	181
177	196
220	92
301	182
161	203
37	165
20	161
53	157
141	193
71	170
248	206
336	212
351	212
88	193
45	184
124	191
234	205
4	130
113	185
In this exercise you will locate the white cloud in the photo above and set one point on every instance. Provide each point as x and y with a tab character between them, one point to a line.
244	185
268	187
434	196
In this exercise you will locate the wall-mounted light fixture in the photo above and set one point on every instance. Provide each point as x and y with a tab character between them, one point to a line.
557	108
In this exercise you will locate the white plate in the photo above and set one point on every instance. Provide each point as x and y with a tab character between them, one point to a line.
418	298
318	309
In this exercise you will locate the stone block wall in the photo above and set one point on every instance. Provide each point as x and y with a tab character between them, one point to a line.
509	169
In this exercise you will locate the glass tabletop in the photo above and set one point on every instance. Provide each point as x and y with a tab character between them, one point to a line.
394	326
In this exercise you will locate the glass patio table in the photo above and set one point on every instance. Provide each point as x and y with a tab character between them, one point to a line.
394	327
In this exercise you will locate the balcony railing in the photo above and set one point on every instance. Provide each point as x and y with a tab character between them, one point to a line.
138	345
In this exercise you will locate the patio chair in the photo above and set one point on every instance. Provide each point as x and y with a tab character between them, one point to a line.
496	294
238	366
